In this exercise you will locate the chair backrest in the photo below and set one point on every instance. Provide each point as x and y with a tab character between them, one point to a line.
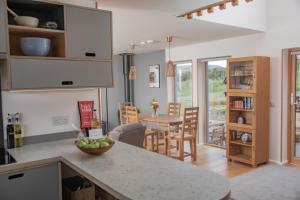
129	133
190	121
122	111
174	109
131	114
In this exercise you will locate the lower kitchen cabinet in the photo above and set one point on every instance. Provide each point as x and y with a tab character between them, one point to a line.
35	184
28	73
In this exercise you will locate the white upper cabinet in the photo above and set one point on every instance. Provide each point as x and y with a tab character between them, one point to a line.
89	33
80	53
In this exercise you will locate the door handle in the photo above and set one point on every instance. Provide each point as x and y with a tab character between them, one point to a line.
90	54
67	83
15	176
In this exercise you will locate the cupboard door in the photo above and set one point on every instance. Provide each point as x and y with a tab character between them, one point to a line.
36	183
2	28
89	34
241	75
40	74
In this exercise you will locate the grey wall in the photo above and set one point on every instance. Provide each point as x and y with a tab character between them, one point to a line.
115	95
144	94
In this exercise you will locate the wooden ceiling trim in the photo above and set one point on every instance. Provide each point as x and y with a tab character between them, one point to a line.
210	8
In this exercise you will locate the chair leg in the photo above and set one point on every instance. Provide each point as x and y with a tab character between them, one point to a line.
177	145
181	150
145	142
195	150
157	142
166	146
152	142
191	147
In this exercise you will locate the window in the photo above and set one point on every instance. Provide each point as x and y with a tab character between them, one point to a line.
184	84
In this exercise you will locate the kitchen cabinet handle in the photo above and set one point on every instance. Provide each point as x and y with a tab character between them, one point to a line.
89	54
67	83
15	176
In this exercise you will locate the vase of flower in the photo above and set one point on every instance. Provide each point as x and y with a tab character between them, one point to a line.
154	106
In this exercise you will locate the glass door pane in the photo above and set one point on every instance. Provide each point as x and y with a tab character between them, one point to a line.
184	84
297	108
216	102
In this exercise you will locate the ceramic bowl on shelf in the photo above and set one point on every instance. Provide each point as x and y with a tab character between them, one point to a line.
27	21
35	46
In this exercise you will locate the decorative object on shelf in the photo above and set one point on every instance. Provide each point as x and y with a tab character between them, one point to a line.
210	8
241	119
154	76
154	104
132	70
170	67
238	135
34	46
245	138
24	20
50	25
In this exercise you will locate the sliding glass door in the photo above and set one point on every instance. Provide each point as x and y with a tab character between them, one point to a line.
184	84
215	102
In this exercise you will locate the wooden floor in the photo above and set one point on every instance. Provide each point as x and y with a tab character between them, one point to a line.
214	159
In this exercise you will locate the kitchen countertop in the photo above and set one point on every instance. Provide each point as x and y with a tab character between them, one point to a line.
128	172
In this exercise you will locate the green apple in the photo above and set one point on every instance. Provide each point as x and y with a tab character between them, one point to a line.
108	140
103	144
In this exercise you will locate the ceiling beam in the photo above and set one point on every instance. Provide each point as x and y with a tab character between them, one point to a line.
210	8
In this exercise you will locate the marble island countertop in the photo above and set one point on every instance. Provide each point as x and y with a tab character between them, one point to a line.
128	172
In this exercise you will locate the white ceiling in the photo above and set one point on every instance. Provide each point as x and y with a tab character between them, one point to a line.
139	20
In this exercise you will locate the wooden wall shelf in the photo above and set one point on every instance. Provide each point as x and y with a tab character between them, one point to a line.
57	38
15	29
248	100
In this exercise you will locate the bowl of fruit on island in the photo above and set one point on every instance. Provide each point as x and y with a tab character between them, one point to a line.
94	146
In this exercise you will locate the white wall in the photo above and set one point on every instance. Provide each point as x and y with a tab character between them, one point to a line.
282	32
38	108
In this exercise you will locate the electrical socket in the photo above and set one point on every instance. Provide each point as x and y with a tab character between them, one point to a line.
60	120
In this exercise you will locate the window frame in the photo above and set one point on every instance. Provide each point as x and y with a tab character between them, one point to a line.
192	79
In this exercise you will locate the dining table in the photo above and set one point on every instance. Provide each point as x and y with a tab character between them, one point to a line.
162	122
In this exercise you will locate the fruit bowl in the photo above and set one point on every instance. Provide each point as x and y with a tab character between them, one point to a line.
94	146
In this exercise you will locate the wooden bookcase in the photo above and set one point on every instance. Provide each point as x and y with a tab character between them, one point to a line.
248	82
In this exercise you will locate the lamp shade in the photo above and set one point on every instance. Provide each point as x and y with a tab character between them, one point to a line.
170	69
132	73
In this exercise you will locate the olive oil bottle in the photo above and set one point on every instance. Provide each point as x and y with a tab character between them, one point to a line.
18	131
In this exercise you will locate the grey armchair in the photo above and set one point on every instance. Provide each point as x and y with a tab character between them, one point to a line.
133	134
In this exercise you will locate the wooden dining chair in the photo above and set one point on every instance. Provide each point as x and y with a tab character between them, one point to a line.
122	112
131	114
132	117
174	108
187	132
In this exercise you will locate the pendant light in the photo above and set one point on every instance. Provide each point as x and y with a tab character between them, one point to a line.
170	68
132	71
